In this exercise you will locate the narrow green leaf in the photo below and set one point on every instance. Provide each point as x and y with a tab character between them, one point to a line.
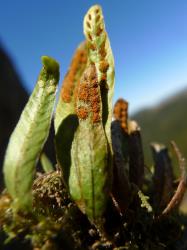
83	136
90	180
46	163
29	136
66	102
66	121
100	54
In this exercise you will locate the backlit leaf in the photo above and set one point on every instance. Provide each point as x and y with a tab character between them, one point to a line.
89	180
29	136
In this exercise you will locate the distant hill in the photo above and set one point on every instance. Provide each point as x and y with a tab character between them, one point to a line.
165	122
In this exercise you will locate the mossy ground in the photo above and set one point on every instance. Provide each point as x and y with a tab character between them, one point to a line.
57	223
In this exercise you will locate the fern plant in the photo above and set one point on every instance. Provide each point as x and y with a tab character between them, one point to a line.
99	195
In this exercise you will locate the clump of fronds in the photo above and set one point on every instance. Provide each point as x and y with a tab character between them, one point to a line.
98	195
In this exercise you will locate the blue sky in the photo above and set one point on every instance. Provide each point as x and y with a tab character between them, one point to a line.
148	38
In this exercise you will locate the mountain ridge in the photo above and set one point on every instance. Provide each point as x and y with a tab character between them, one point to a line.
164	122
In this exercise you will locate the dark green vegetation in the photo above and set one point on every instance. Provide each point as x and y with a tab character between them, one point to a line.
99	195
163	123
